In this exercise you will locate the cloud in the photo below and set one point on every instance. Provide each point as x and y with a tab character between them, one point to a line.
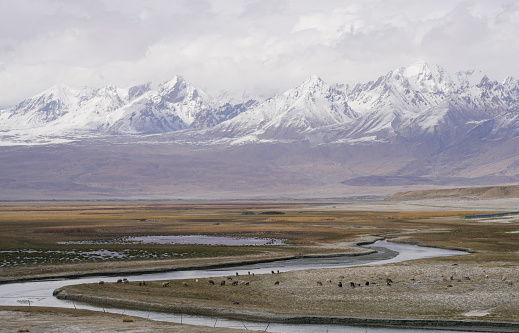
263	45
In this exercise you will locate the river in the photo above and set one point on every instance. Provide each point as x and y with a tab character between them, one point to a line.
39	293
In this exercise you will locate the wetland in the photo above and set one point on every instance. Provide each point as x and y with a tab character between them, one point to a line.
421	289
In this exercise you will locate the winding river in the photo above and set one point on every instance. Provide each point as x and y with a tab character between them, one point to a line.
39	293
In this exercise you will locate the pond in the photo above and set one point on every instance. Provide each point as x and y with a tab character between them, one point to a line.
187	239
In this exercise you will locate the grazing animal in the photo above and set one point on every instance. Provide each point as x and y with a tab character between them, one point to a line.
278	271
276	283
329	281
273	272
249	273
235	283
341	277
165	284
352	284
140	284
184	284
125	281
143	283
211	282
367	283
222	283
229	278
101	282
237	274
389	281
247	283
252	274
340	284
119	281
319	283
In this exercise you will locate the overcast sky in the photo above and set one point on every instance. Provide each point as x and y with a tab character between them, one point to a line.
257	45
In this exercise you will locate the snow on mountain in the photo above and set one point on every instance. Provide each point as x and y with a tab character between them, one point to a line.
171	106
289	115
418	102
147	108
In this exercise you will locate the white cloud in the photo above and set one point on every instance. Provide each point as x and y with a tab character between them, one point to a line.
268	45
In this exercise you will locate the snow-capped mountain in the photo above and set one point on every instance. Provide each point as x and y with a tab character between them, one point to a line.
147	108
291	115
416	125
417	103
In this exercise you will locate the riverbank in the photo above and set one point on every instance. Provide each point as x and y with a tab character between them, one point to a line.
37	319
440	293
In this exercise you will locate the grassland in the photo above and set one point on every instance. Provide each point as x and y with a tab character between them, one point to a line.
421	289
31	234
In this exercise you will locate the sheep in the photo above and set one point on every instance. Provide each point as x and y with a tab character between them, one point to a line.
184	284
237	274
101	282
278	271
319	283
222	283
352	284
329	281
165	284
340	284
119	281
273	272
367	283
389	281
276	283
211	282
234	283
125	281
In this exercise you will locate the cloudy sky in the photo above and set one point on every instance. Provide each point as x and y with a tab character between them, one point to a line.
257	45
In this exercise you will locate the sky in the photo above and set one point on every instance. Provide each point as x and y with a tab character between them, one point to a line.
261	46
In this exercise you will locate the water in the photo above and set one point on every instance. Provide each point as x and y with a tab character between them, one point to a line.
187	239
39	293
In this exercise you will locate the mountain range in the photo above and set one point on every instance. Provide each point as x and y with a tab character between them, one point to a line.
415	126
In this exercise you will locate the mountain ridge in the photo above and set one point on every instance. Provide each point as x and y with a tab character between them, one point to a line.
414	127
409	102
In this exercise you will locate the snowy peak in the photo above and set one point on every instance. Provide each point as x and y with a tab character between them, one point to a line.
178	90
292	114
426	78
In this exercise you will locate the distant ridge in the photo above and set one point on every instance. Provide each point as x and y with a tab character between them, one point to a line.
487	192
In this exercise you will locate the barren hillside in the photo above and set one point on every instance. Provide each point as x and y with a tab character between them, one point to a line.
487	192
